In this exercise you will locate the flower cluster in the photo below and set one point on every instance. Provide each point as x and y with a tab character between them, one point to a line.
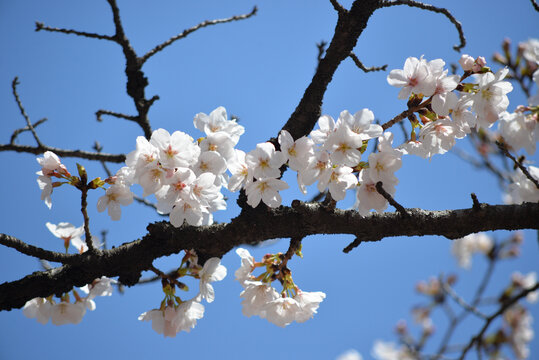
174	314
185	175
260	298
65	311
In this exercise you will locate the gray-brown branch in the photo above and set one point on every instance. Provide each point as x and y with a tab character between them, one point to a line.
251	227
114	158
435	9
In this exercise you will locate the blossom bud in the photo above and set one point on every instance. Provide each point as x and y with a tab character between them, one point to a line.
499	58
521	48
467	62
401	328
506	44
480	62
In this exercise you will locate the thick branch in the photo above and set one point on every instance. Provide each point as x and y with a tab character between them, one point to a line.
251	227
35	251
350	25
114	158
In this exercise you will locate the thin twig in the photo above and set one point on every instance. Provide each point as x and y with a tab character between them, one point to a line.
501	310
476	299
295	244
403	115
476	203
449	291
162	275
26	128
522	168
83	187
101	112
435	9
40	26
360	65
14	84
35	251
389	198
321	46
186	32
479	164
535	5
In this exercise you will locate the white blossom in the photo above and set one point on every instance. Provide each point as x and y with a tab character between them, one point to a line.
116	195
211	271
465	247
38	308
67	313
523	189
255	297
266	190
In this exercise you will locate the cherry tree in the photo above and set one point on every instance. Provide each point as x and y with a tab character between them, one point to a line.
345	165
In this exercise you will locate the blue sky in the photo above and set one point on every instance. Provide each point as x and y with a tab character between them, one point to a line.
258	69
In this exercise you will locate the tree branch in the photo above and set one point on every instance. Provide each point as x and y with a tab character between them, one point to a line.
435	9
360	65
535	5
29	125
350	25
506	305
522	168
251	227
186	32
35	251
101	112
40	26
114	158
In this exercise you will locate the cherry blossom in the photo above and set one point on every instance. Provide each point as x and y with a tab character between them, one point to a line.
526	282
38	308
67	313
116	195
490	100
266	190
350	355
519	131
256	295
282	311
309	303
414	78
247	265
265	161
241	173
367	197
297	152
81	245
217	121
523	189
212	271
99	287
465	247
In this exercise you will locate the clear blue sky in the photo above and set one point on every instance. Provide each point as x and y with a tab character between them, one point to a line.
258	69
